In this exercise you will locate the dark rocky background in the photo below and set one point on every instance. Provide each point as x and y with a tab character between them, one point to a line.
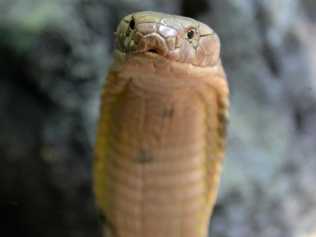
53	59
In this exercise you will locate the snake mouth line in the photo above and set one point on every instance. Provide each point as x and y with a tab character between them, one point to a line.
152	43
154	51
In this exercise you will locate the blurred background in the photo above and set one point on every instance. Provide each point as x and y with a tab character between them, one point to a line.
54	56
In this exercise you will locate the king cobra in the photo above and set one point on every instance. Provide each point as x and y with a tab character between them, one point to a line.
161	133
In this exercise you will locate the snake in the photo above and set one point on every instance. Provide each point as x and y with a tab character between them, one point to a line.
161	132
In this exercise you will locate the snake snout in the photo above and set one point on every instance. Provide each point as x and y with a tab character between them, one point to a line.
154	43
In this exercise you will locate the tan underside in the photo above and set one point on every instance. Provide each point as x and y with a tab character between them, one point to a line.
158	154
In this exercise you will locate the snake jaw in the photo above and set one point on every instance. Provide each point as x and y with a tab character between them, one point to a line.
154	43
143	40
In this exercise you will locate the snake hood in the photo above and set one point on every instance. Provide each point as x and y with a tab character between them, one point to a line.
175	38
162	127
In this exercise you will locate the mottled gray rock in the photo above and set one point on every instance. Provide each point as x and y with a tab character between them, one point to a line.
309	7
45	151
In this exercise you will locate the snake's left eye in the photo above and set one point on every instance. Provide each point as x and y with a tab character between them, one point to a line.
190	34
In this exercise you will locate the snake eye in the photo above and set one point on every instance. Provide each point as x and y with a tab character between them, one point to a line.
190	34
132	24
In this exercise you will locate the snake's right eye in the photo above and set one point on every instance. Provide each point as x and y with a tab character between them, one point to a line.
132	24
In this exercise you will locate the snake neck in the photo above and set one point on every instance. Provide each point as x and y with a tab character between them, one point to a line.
152	70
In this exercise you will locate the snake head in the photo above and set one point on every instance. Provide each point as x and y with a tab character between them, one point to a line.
176	38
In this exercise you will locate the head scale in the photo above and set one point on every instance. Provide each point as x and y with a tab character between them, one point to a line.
174	37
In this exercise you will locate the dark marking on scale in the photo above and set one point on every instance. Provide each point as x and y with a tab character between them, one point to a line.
144	156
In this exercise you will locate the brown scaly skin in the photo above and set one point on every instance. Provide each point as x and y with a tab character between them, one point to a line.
161	133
